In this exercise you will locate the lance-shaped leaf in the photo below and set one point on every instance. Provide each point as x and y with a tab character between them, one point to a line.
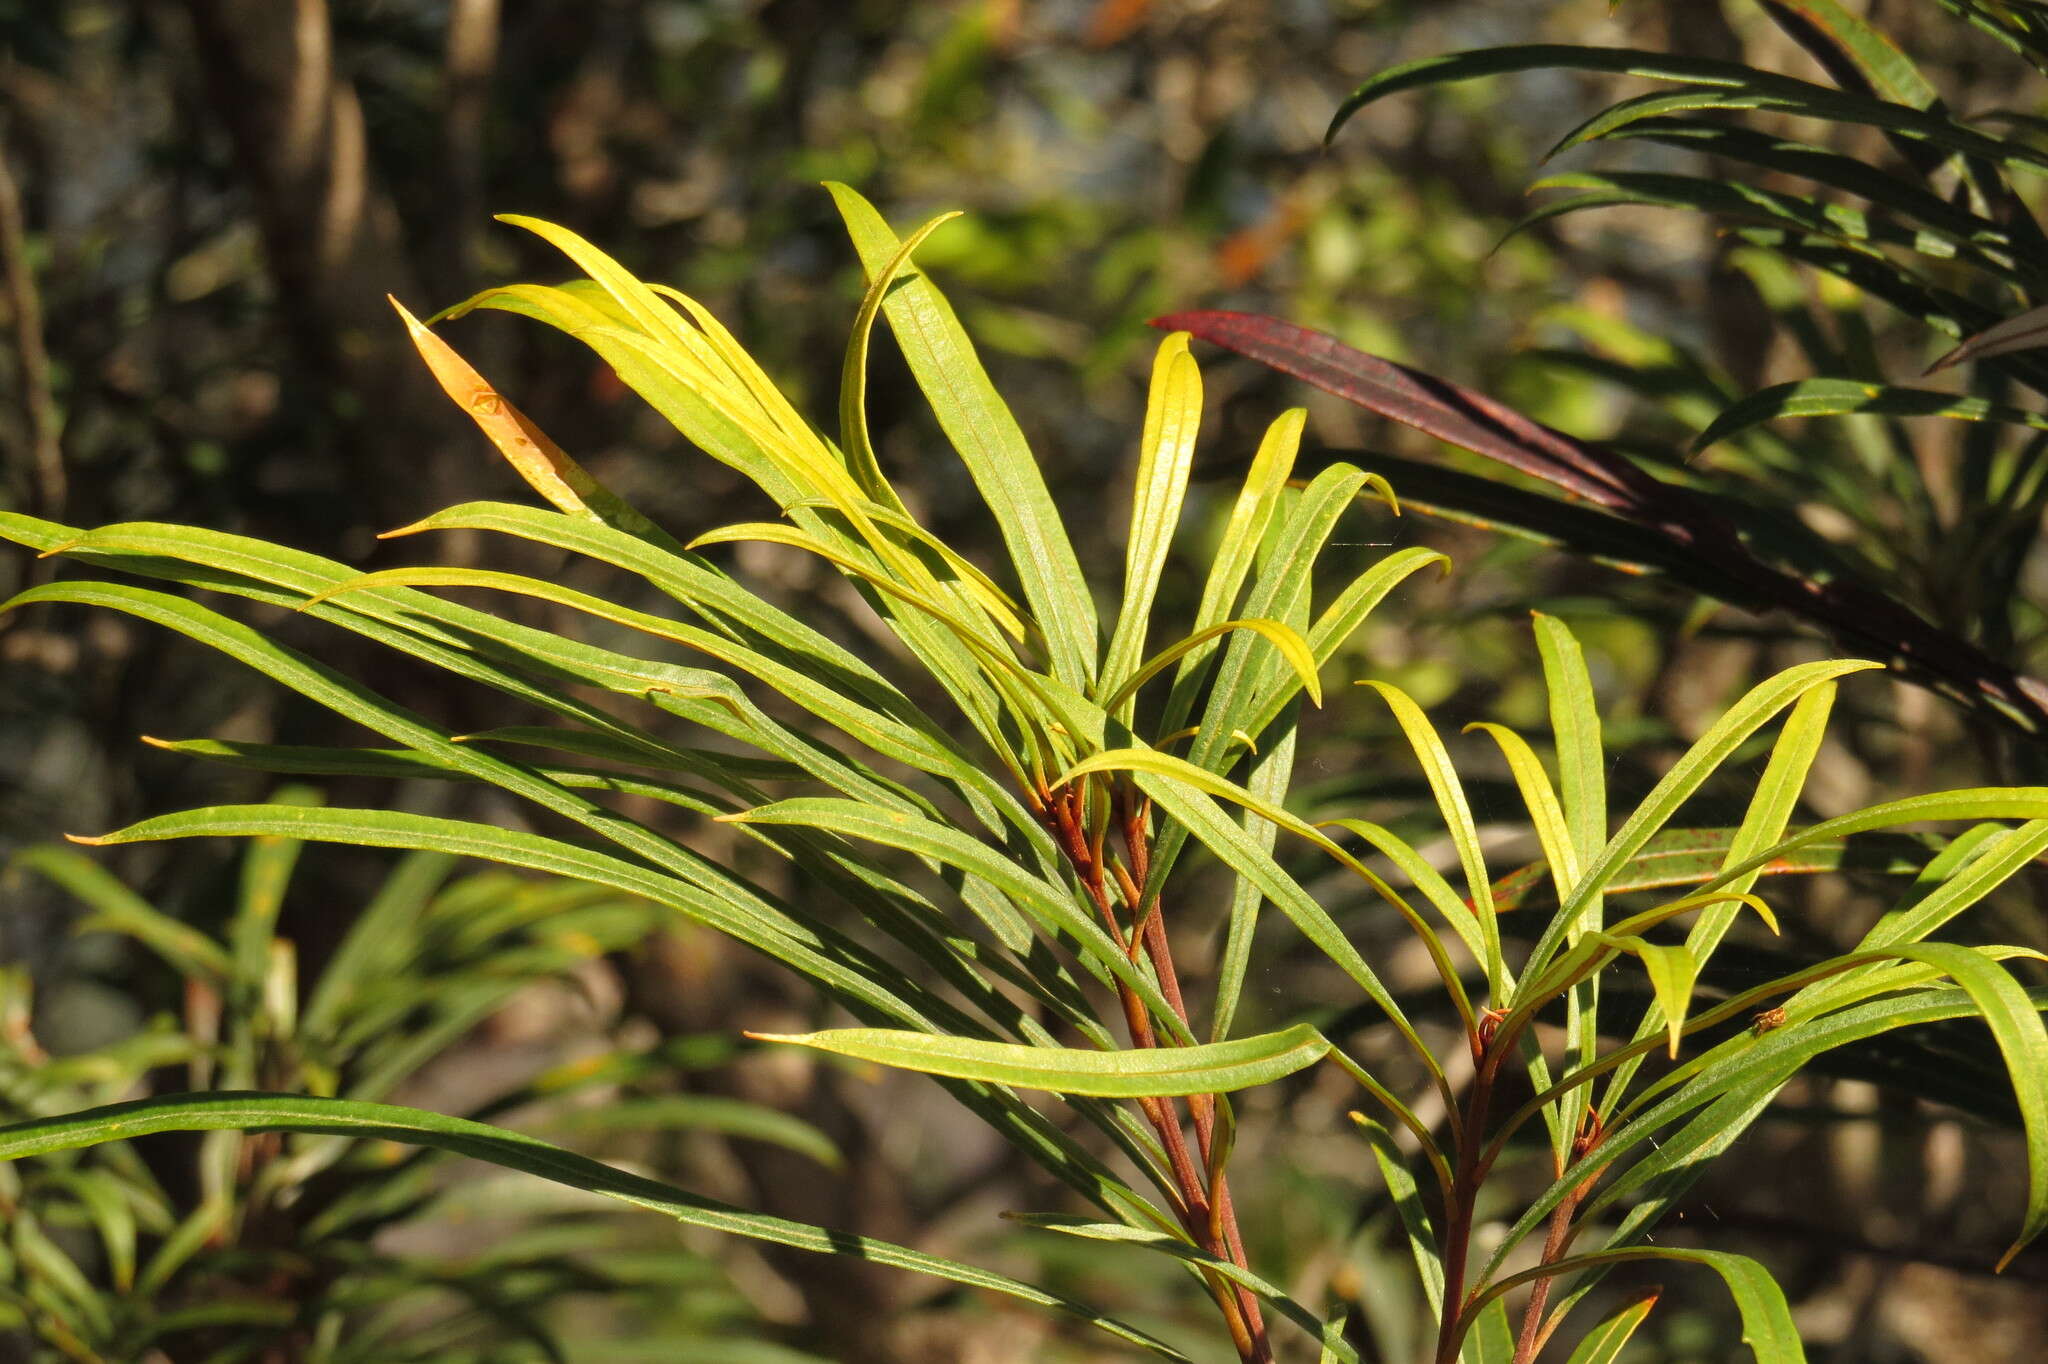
1766	1317
1687	857
1291	645
1250	514
1701	544
989	441
2024	332
1605	1342
1449	791
1672	971
1838	397
1177	1247
1686	776
1173	412
116	908
538	460
1407	1198
853	379
513	1151
1153	1072
1734	199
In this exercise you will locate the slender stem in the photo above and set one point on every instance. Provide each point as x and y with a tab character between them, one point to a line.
1202	1107
1203	1202
1533	1332
1469	1174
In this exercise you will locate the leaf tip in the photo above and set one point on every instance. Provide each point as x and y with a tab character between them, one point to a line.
90	840
412	324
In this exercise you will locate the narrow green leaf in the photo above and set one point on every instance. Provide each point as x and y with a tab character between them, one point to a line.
990	443
1546	813
514	1151
853	379
267	866
1250	515
118	909
716	1113
1457	813
1180	1249
1672	971
1889	71
107	1205
1157	1072
1604	1343
2023	1040
1998	862
1491	1339
1835	397
1048	905
1766	1317
1267	781
1407	1198
1686	776
1291	645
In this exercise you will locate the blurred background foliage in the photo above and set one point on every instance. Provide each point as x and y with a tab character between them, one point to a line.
203	205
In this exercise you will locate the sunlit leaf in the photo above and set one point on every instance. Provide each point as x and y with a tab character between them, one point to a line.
1211	1068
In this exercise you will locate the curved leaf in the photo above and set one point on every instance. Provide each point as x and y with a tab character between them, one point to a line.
990	442
1180	1249
514	1151
1837	397
1604	1343
1766	1317
1152	1072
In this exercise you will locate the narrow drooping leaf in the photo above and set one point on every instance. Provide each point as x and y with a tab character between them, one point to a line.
512	1150
1118	1234
1836	397
1766	1317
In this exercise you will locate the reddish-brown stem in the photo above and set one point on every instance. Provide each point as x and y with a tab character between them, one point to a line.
1530	1338
1534	1330
1202	1107
1488	1046
1204	1202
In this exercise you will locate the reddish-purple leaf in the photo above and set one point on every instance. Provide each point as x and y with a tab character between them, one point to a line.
1867	621
1430	405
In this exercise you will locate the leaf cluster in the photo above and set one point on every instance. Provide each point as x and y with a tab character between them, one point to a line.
976	825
